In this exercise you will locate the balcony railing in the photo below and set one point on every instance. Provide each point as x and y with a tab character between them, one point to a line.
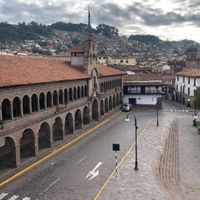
143	92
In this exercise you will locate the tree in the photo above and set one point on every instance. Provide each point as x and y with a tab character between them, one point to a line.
106	30
148	39
197	99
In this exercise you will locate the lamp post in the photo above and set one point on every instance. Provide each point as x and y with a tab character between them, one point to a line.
157	123
136	127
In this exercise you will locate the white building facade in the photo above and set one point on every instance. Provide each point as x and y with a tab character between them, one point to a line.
142	92
186	84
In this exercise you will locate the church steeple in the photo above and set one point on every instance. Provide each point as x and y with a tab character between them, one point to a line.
89	24
85	58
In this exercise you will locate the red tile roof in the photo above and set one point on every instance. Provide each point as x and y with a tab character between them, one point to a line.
143	77
78	49
23	70
104	70
168	78
189	73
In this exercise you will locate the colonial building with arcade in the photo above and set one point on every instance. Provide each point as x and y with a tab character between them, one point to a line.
45	100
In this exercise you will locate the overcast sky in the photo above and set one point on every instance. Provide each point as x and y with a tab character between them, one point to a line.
168	19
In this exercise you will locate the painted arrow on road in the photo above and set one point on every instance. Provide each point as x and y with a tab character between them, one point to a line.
95	172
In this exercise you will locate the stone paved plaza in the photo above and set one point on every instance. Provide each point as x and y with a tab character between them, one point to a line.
169	164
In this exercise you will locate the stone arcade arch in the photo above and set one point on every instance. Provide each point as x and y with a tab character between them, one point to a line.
82	91
8	154
95	113
6	109
69	124
79	92
117	99
58	129
86	116
34	103
26	103
27	144
42	101
55	98
60	97
101	107
49	99
16	107
78	119
114	101
106	105
44	136
110	103
70	94
86	91
74	93
65	96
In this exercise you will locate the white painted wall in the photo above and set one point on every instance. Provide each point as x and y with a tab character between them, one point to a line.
142	99
179	85
75	61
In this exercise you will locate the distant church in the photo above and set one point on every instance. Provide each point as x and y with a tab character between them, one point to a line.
193	58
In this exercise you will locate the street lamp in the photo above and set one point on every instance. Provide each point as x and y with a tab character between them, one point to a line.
157	124
136	127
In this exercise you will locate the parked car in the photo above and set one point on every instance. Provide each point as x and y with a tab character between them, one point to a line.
126	107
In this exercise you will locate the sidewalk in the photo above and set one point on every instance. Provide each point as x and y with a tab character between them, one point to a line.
169	164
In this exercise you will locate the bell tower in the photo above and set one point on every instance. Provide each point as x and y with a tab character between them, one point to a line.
84	58
91	48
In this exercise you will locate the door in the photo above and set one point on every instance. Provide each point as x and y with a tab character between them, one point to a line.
132	101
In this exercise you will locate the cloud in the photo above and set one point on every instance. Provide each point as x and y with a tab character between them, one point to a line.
46	12
132	16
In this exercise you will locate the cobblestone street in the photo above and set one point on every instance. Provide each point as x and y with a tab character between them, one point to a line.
169	164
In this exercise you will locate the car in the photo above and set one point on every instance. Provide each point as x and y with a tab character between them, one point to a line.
126	107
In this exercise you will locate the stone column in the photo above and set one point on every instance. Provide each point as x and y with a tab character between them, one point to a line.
17	153
38	103
0	112
30	107
21	108
11	110
36	145
51	133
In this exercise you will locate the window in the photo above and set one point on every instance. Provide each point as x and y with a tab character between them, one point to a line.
183	79
176	87
177	78
194	81
188	80
126	61
189	91
194	92
121	61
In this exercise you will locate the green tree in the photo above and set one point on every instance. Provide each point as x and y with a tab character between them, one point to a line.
197	99
109	31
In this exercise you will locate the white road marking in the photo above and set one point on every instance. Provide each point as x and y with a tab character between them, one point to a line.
3	195
186	110
81	160
95	172
171	110
49	186
13	197
26	198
